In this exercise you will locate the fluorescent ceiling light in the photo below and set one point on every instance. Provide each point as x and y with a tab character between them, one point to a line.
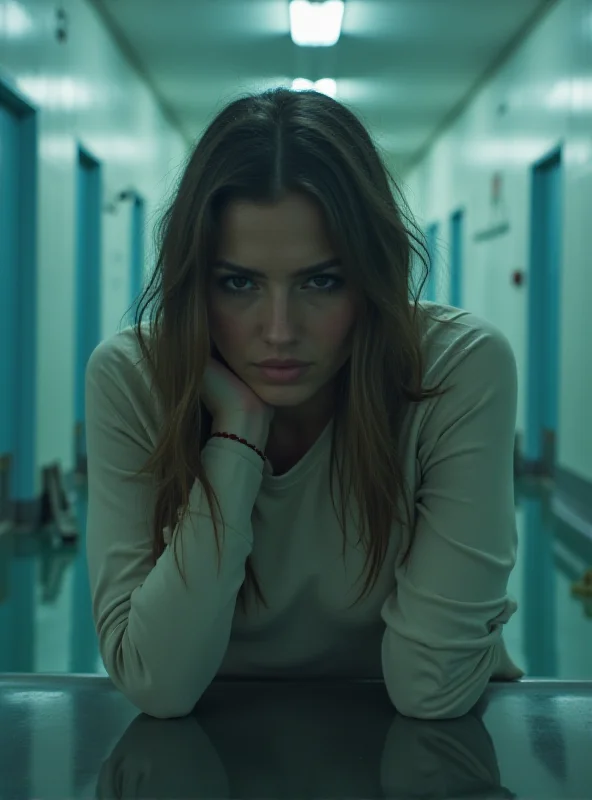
325	85
314	24
14	20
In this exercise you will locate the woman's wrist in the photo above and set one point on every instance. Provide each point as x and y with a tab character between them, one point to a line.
254	429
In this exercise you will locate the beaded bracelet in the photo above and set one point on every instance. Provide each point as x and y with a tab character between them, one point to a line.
242	441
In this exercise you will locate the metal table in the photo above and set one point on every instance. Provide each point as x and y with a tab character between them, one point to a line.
65	736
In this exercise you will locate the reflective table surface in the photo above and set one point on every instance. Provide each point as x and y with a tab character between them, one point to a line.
77	737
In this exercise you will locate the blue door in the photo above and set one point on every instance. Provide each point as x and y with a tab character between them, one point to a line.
88	285
456	242
18	308
539	592
137	252
432	238
9	256
544	292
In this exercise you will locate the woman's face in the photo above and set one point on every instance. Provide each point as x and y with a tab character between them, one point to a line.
278	313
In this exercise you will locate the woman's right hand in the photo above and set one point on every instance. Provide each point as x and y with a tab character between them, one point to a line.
226	396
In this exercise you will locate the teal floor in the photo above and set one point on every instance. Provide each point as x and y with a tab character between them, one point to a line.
46	622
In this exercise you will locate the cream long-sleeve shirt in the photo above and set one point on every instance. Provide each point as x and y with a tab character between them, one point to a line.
432	628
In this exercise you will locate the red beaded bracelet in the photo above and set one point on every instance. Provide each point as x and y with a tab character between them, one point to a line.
242	441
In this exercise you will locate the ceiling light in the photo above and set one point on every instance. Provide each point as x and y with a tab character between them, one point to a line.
316	24
14	20
325	85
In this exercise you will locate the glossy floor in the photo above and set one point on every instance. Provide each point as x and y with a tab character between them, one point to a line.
46	623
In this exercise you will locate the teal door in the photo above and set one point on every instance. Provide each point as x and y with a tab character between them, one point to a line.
432	238
456	242
18	371
9	257
18	308
88	285
544	293
137	252
539	592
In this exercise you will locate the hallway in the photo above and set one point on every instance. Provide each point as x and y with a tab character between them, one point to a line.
46	622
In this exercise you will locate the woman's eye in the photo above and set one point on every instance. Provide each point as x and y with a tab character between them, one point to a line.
334	283
224	281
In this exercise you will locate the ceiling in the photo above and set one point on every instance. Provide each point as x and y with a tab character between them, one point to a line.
406	67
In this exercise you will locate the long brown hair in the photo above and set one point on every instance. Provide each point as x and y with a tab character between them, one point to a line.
260	147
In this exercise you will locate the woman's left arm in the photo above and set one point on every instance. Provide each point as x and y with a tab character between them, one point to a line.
444	621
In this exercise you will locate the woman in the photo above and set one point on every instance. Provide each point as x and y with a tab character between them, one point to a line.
210	477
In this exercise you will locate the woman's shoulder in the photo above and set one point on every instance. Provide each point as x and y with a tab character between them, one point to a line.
118	369
120	355
450	335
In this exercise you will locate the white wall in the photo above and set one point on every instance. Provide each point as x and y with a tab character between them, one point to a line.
86	93
547	86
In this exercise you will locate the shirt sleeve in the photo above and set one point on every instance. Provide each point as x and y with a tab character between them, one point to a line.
443	638
161	640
